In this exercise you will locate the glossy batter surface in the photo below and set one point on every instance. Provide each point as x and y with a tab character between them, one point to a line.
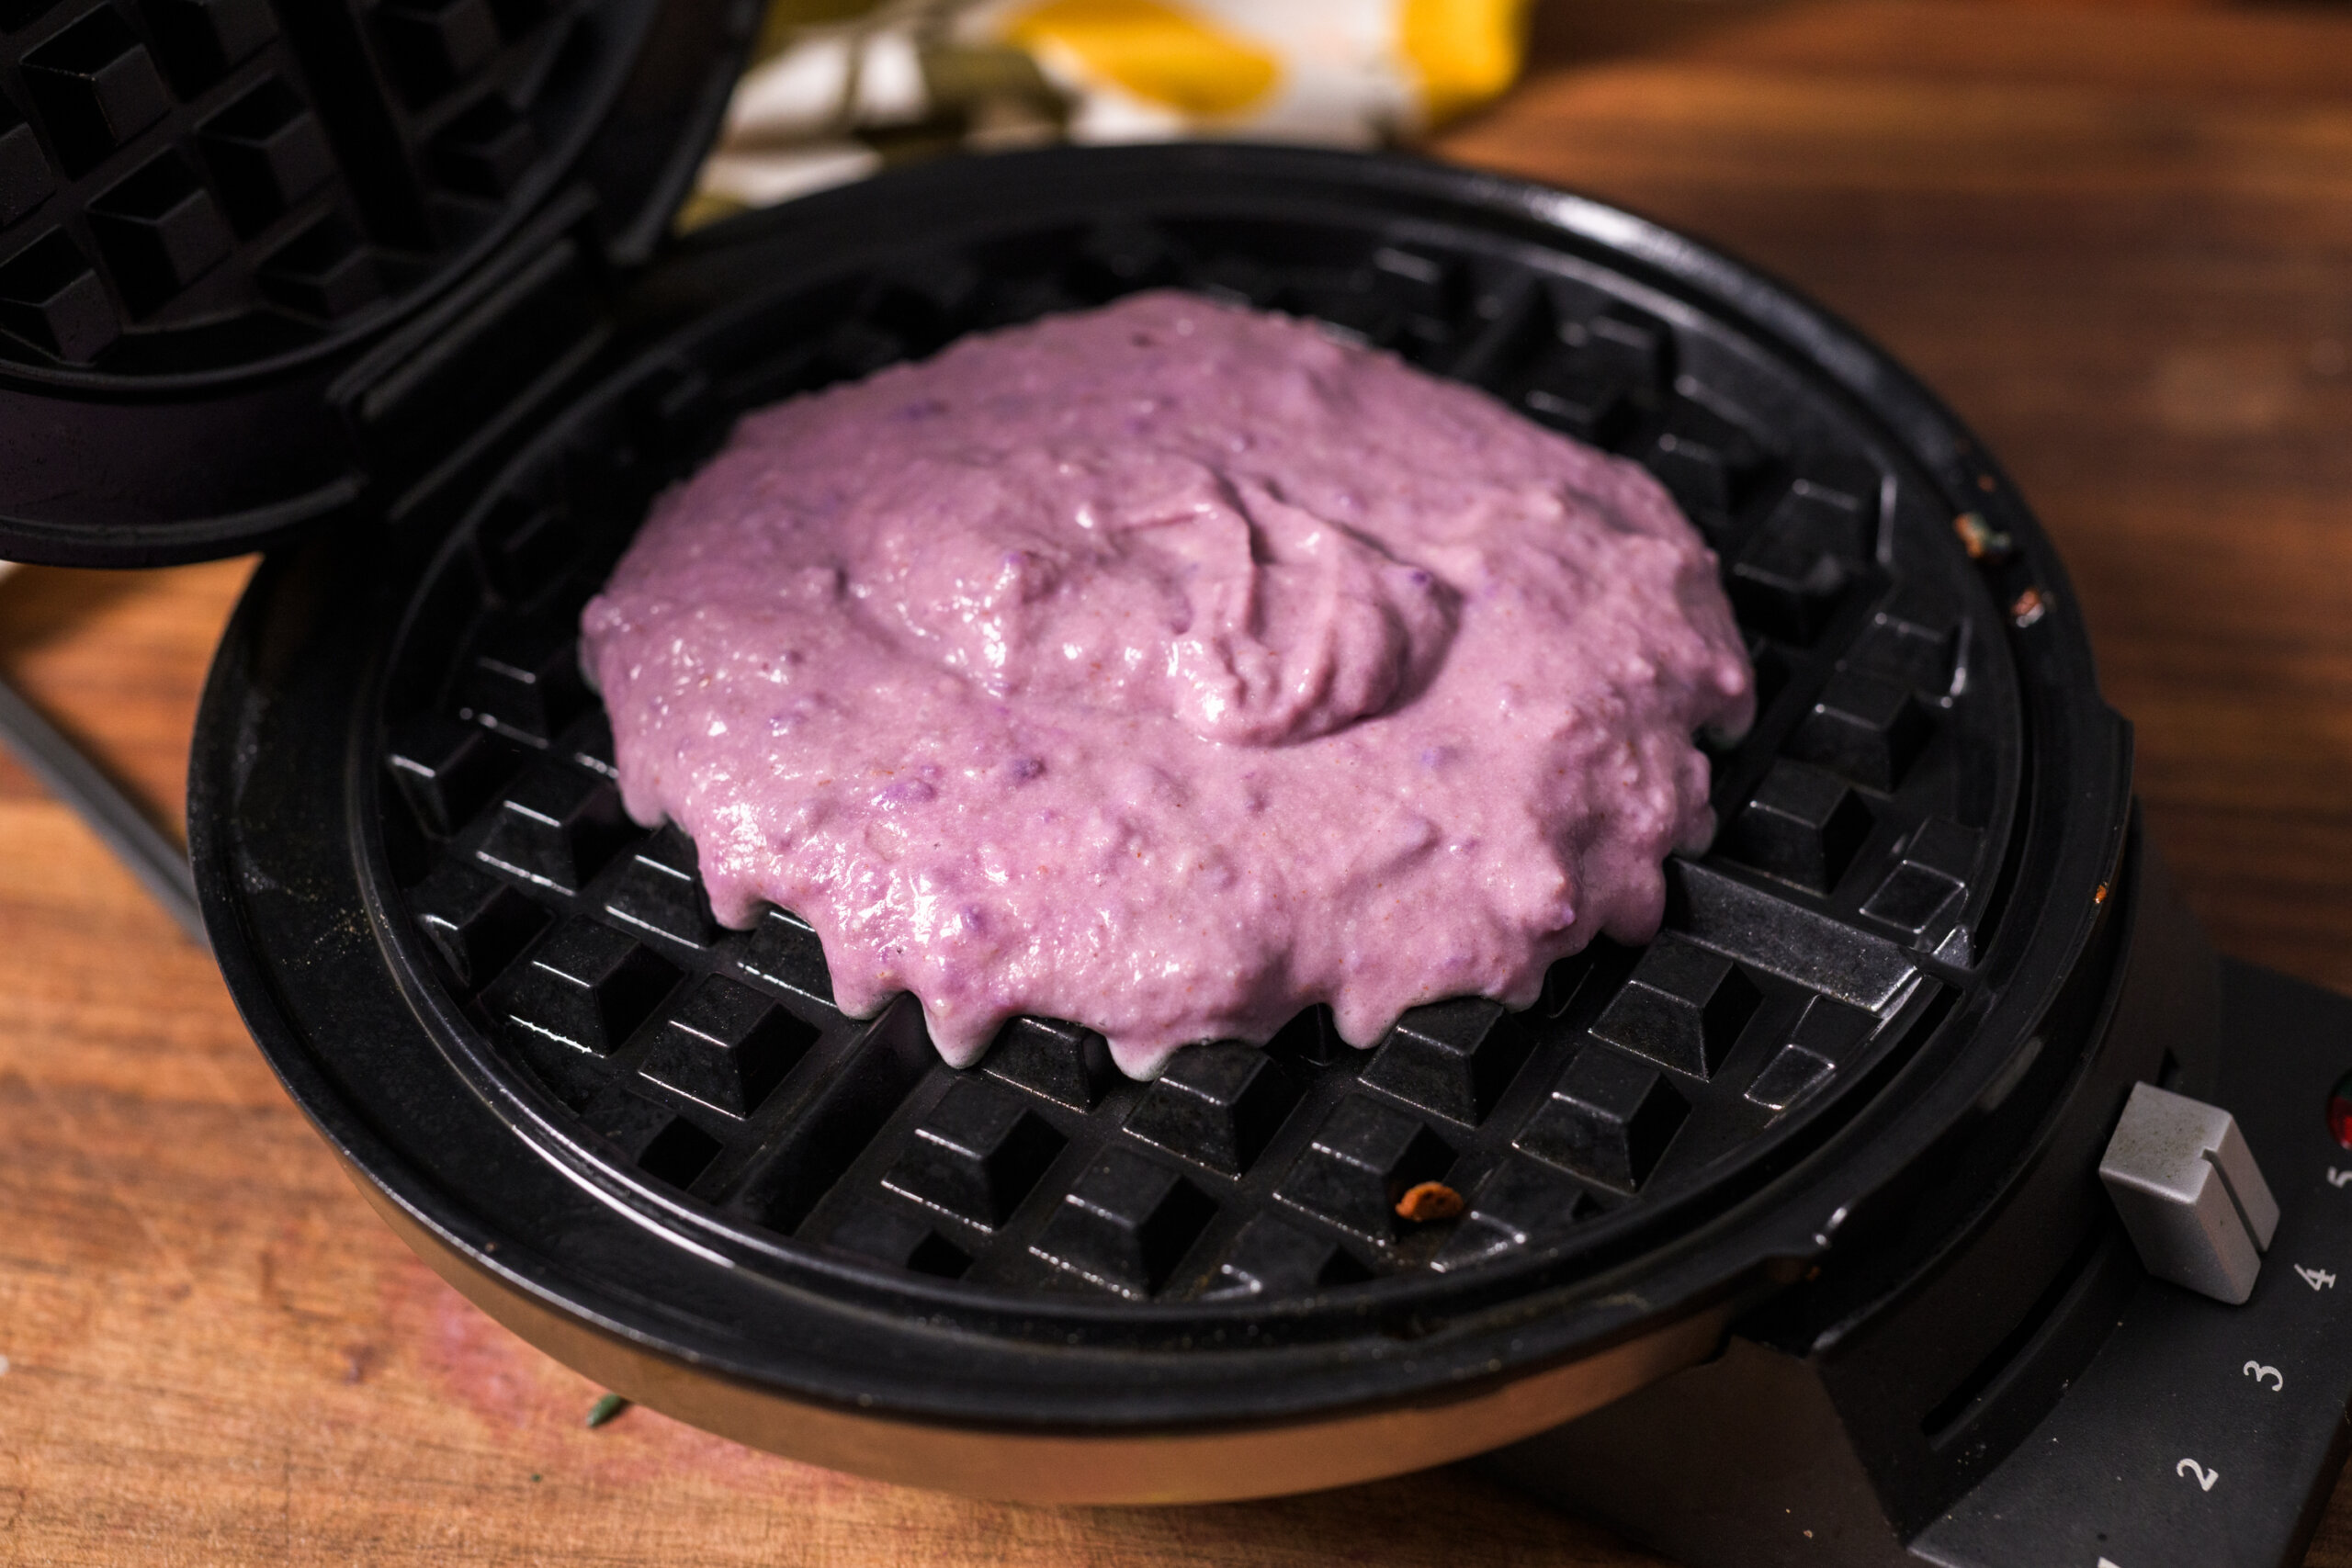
1169	668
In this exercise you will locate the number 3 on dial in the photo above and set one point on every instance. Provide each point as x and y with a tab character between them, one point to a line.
2261	1373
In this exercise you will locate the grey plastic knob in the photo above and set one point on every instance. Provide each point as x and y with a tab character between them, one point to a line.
2191	1197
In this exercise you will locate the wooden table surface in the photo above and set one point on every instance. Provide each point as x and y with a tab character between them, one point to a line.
2120	245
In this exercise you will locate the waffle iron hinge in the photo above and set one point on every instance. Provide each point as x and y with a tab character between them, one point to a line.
454	388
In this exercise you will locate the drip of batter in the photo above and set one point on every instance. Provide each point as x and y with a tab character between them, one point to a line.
1169	668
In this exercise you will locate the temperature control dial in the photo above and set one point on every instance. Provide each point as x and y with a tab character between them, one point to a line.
2191	1194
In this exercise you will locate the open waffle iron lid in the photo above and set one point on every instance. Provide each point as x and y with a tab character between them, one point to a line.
655	1148
241	241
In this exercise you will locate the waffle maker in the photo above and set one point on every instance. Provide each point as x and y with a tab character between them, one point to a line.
1783	1240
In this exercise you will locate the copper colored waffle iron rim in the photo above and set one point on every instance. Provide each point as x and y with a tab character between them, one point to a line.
646	1144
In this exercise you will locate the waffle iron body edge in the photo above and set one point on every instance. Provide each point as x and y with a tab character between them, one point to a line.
361	773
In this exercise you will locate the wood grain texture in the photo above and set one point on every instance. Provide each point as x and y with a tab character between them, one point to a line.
2118	247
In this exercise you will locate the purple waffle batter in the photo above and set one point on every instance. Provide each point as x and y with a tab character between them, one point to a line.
1169	668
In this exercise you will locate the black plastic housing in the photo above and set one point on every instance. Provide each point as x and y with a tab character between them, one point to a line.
1881	1392
2122	1418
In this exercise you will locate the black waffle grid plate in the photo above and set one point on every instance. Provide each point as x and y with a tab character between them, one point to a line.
193	185
1866	823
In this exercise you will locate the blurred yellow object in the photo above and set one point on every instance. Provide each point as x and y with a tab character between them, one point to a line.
1465	51
1162	54
1354	72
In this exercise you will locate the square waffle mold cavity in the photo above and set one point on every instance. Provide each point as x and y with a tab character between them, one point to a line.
188	185
1831	926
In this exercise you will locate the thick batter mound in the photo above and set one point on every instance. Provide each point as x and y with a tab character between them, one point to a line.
1168	668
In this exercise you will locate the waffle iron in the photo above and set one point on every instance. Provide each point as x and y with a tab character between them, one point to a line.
1782	1241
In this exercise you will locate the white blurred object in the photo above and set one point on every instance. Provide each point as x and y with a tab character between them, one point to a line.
907	78
763	177
827	83
1145	70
